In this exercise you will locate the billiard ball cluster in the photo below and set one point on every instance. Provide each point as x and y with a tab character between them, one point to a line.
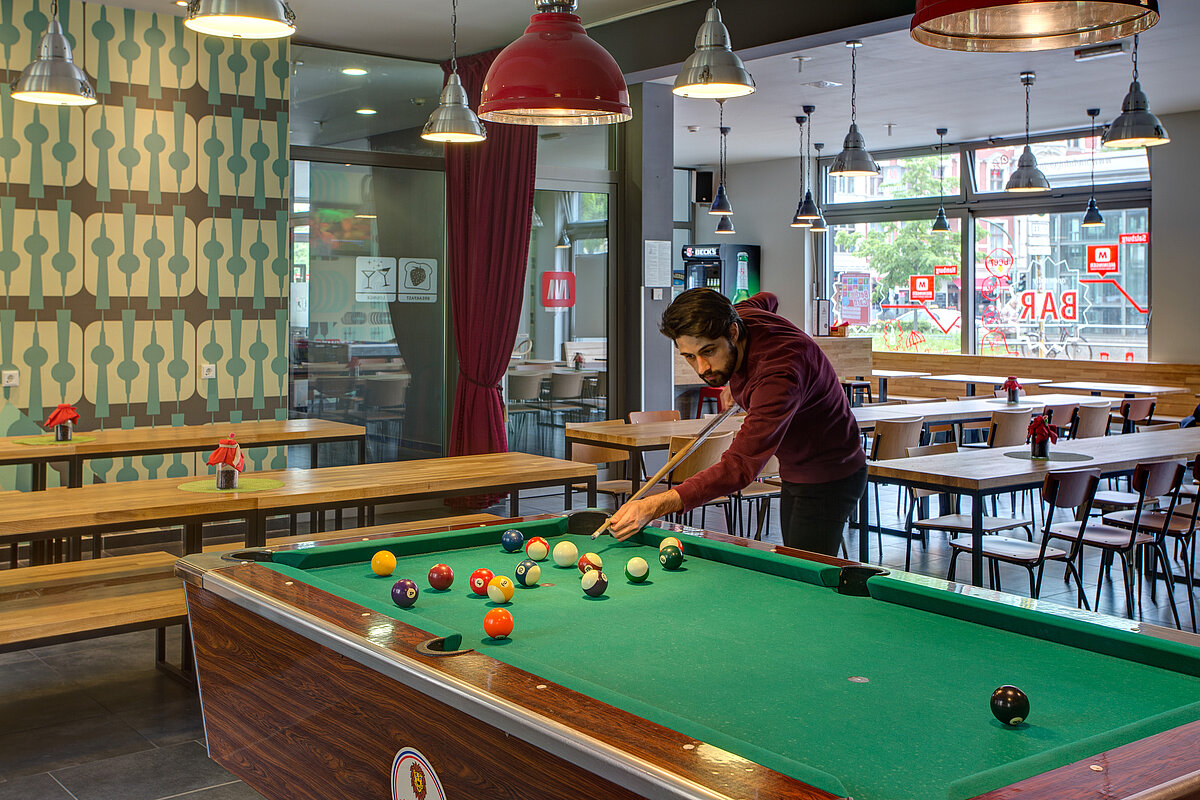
500	589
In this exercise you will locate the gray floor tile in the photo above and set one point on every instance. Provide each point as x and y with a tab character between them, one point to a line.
35	695
167	723
13	658
66	745
33	787
119	674
230	791
147	775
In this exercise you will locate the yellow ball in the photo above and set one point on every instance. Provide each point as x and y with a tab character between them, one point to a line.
566	554
500	589
383	563
670	540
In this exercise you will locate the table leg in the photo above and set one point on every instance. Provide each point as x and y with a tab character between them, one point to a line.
883	390
256	529
970	390
193	537
514	503
864	527
591	484
362	449
75	472
977	540
39	476
313	454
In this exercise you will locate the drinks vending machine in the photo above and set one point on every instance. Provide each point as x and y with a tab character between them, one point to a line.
731	269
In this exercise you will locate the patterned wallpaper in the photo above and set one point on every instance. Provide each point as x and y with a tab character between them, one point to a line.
146	235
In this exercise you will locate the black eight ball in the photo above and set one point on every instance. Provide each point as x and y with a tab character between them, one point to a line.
1010	705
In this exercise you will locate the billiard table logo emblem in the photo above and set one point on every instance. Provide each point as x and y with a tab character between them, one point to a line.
413	778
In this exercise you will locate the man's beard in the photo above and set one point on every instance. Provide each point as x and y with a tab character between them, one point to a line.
721	378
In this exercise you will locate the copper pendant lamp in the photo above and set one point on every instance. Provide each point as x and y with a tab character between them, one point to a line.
1020	26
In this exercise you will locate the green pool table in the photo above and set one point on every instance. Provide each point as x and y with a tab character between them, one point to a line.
747	673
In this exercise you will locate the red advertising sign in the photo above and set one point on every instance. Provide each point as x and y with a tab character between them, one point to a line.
920	287
1103	259
1135	238
854	298
946	269
558	289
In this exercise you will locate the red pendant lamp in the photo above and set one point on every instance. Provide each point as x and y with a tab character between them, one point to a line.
1018	26
555	75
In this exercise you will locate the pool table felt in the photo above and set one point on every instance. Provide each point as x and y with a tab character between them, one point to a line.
759	663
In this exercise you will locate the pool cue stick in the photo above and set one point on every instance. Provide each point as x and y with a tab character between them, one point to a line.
674	460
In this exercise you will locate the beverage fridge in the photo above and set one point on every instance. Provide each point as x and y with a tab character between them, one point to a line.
731	269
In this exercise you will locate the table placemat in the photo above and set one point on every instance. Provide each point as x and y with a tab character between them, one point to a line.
48	440
209	485
1025	456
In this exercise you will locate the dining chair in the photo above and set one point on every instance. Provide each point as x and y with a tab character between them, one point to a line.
1091	420
1061	490
638	417
706	454
1136	411
619	489
892	439
1062	416
758	494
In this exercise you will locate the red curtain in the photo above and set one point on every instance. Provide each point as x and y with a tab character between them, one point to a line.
489	207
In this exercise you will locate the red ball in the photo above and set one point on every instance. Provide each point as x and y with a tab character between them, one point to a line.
480	579
498	623
589	561
440	577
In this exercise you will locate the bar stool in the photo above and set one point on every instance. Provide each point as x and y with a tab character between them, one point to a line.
706	394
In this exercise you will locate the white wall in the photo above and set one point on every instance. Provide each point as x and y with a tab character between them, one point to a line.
763	194
1174	244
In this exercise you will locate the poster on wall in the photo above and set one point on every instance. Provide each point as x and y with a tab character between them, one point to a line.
374	279
418	281
854	297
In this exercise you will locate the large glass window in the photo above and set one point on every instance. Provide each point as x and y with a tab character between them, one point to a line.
1065	162
901	178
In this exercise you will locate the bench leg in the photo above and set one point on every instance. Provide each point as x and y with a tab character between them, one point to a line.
185	672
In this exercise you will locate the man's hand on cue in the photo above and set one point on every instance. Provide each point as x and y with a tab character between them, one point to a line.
636	514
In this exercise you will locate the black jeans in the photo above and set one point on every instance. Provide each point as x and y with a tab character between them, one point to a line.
814	514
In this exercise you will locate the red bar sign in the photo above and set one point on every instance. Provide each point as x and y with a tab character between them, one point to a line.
946	269
558	289
1135	238
920	287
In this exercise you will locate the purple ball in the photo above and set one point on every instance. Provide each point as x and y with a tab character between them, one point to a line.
404	593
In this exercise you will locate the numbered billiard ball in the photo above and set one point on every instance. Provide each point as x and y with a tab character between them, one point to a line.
498	623
480	579
636	569
500	589
440	577
589	561
1010	705
528	573
670	557
511	540
404	593
670	540
383	563
565	554
594	583
538	549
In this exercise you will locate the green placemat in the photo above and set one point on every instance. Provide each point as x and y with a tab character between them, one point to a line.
209	485
1025	456
48	440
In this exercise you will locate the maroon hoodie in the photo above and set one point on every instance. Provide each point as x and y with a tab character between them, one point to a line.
796	410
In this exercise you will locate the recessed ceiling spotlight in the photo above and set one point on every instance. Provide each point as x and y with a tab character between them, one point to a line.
366	112
822	84
1106	50
800	61
356	71
693	128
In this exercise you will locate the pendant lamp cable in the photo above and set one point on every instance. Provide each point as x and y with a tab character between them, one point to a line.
1092	141
54	15
941	164
1027	85
1134	56
803	167
724	134
453	36
853	84
808	149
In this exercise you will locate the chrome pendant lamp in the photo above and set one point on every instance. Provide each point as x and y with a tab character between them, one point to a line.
241	19
798	220
1027	177
855	159
940	223
564	241
818	224
713	71
1136	126
720	204
555	74
1019	26
1092	217
54	78
453	121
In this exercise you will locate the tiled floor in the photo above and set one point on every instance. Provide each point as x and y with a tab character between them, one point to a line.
95	720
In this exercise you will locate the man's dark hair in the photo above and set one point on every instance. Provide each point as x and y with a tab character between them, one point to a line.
700	312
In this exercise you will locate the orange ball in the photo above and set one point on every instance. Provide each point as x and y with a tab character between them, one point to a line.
498	623
383	563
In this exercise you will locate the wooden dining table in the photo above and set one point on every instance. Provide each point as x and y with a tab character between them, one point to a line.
102	508
981	473
144	441
1098	388
971	381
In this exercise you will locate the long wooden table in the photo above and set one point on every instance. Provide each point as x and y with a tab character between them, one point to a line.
1097	388
971	381
118	442
105	508
980	473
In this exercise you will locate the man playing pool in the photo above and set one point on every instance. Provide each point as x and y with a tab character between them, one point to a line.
795	409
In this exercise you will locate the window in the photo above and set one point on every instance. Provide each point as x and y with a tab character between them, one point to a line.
1065	162
900	178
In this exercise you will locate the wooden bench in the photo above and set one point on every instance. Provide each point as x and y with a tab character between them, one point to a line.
55	603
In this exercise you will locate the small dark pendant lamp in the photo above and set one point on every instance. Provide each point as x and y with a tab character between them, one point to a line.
720	204
941	224
1092	217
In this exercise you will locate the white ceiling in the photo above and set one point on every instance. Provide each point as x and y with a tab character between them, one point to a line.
916	88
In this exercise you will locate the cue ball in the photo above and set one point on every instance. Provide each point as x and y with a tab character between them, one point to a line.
1010	705
538	549
383	563
500	589
565	554
670	540
589	561
480	579
670	557
512	540
636	569
594	583
440	577
528	573
404	593
498	623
